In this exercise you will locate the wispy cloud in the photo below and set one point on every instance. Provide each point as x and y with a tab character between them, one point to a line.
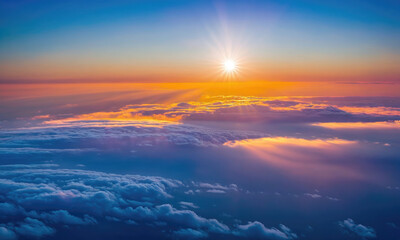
238	109
310	157
360	125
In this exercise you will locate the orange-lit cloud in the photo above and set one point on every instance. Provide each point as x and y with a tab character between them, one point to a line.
297	142
41	117
107	123
373	110
244	109
360	125
311	157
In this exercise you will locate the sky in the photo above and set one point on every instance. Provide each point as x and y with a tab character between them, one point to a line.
275	120
185	41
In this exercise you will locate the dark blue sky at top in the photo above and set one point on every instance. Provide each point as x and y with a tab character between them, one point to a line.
20	19
32	17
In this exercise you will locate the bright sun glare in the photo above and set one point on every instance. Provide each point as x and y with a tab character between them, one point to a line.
230	66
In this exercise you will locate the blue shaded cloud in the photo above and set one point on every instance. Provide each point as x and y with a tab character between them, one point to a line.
29	227
349	226
258	230
36	201
62	216
189	233
7	234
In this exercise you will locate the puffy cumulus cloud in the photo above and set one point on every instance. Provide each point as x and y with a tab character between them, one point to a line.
40	187
9	209
7	234
33	228
216	187
169	214
258	230
189	218
36	201
189	233
95	133
29	227
72	197
62	216
349	226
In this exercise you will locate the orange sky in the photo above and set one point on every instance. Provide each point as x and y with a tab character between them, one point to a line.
195	91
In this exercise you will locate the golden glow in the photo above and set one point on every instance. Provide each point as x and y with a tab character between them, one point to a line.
109	123
298	142
176	102
309	157
360	125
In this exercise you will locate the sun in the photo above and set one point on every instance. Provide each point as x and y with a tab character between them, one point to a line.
230	69
230	66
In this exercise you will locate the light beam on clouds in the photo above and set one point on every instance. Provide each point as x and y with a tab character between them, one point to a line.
314	158
360	125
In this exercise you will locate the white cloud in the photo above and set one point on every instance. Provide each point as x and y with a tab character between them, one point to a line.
258	230
189	233
360	230
188	204
312	195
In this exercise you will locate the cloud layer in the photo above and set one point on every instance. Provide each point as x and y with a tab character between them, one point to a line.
35	201
259	109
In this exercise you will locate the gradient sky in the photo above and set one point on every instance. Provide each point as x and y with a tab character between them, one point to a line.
117	120
185	41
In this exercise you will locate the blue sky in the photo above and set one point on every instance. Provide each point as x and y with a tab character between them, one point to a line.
180	36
